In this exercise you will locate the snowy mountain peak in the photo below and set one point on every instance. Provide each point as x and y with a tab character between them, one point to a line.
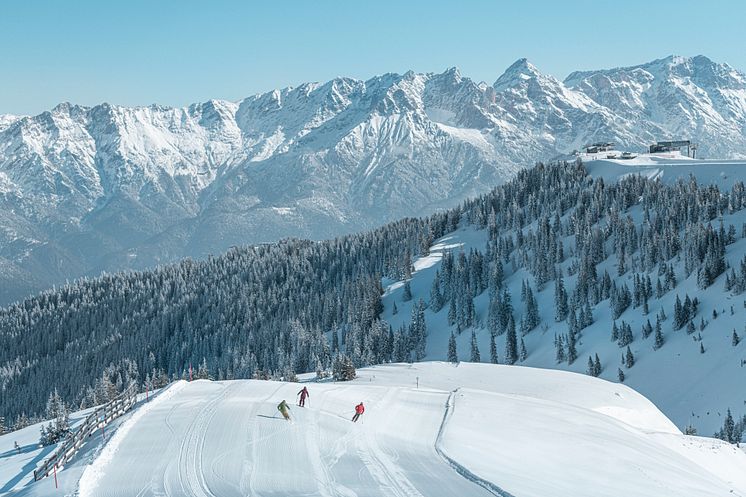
518	72
453	73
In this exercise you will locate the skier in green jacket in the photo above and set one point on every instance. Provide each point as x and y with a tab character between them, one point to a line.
284	409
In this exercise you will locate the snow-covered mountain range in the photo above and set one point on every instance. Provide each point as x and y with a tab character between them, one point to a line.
106	188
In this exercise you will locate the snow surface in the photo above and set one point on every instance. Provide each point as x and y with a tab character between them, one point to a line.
430	429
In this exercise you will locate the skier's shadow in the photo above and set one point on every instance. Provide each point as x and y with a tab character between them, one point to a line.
269	417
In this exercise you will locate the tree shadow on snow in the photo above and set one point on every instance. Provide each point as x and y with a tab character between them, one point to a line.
27	469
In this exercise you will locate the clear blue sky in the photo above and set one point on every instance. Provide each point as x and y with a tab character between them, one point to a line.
176	52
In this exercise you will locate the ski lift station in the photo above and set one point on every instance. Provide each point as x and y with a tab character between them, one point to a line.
595	148
675	146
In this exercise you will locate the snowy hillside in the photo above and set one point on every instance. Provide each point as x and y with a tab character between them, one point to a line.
107	188
429	429
693	386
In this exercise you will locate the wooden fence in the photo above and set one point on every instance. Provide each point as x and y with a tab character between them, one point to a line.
97	420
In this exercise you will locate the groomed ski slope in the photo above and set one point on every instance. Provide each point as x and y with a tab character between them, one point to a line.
467	430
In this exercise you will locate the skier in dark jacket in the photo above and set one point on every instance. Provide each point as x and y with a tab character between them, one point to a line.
303	394
359	410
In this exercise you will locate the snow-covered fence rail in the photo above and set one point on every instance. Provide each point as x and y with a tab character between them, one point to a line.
97	420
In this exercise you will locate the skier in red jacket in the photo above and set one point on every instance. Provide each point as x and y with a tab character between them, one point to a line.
359	410
303	394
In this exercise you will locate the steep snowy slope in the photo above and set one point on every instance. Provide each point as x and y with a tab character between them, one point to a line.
430	429
692	388
107	188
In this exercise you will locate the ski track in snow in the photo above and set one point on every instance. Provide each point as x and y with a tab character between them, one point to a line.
460	469
219	440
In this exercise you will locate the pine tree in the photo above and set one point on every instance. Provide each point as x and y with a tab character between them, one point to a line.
560	299
452	352
436	299
572	352
701	348
506	311
493	316
21	422
625	335
736	339
511	343
203	373
407	294
729	428
532	311
559	346
343	368
44	439
394	309
587	315
629	359
59	415
620	374
474	349
493	349
690	328
523	354
597	366
647	329
591	371
452	313
418	330
679	317
658	336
